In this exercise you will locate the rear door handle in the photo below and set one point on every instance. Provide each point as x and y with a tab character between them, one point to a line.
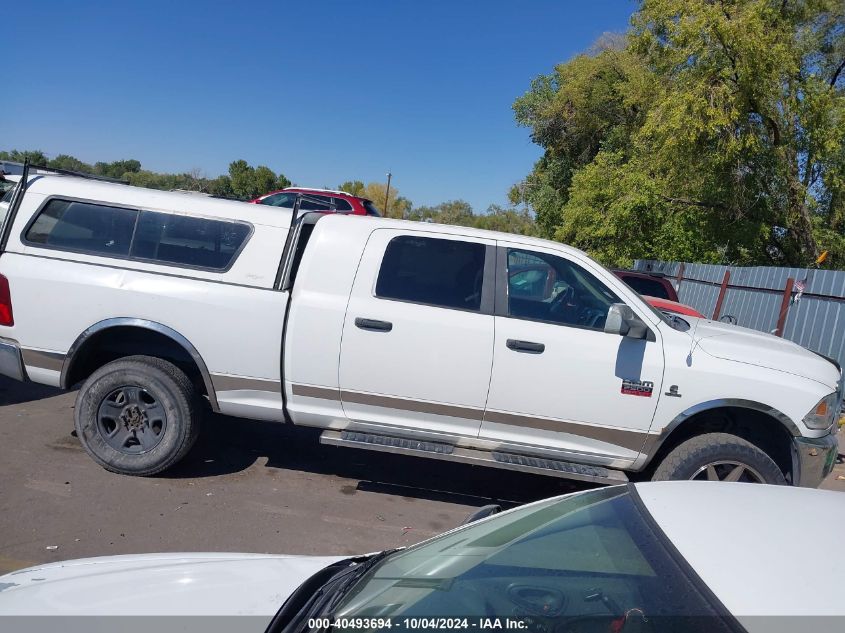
526	346
374	325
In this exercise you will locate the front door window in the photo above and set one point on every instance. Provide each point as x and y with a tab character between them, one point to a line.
544	287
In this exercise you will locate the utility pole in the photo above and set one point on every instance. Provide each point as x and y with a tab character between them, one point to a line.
524	184
387	196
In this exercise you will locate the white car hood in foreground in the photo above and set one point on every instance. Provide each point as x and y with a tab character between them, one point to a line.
731	342
771	554
160	585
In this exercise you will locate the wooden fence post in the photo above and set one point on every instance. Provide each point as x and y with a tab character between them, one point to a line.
721	298
784	306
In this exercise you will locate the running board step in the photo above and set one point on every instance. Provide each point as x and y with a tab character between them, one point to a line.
496	459
388	441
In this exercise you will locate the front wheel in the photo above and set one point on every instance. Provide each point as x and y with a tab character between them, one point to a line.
137	415
719	457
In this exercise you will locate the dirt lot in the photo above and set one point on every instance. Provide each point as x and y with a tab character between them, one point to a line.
247	486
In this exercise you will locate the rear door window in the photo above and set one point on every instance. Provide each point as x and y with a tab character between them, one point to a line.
438	272
84	227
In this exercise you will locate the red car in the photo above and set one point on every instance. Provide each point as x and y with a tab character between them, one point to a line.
319	200
648	284
657	290
665	305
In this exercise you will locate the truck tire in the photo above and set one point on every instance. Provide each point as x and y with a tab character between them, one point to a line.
719	457
138	415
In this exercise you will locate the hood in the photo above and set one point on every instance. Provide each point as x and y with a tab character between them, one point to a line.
160	584
743	345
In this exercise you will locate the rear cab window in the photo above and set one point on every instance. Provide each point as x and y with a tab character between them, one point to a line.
149	236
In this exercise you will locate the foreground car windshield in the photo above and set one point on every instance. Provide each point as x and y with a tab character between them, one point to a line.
582	563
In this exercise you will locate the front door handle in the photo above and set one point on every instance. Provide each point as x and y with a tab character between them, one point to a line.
526	346
374	325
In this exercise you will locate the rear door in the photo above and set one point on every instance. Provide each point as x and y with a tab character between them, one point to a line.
418	333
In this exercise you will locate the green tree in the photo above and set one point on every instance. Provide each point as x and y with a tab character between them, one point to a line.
119	169
243	181
282	182
507	220
221	186
240	176
496	218
249	182
36	157
457	212
70	163
352	187
714	134
397	206
263	180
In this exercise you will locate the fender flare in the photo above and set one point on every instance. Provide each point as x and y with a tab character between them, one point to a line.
654	442
145	324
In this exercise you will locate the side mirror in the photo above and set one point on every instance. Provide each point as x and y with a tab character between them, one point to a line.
482	513
728	318
621	320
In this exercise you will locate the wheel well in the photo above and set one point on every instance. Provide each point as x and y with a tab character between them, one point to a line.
764	431
120	341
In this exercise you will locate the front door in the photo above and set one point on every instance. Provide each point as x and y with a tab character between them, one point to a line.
558	379
418	333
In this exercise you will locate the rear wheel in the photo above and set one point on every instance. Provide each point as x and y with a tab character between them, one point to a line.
719	457
137	415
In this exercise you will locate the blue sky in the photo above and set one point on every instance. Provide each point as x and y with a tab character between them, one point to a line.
323	91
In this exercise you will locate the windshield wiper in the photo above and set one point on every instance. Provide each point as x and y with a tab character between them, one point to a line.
677	322
322	592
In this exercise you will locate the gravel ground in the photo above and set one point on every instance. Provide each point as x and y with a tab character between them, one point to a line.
247	486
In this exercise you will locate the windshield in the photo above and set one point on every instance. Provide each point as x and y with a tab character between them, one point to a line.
584	557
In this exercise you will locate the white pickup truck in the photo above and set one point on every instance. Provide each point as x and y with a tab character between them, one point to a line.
415	338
